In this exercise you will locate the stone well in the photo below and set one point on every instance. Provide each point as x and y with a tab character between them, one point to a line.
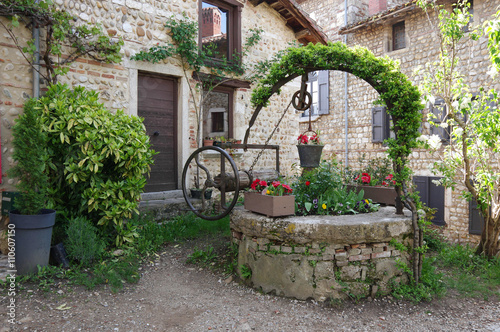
321	257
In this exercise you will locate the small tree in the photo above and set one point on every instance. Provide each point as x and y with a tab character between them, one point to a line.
472	156
60	31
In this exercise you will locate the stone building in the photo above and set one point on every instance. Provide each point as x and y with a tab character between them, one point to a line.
160	92
354	127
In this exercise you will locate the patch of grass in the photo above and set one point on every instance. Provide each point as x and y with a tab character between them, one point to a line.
431	284
471	275
203	257
116	271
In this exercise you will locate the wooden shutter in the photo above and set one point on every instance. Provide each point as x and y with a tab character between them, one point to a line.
439	110
432	195
324	89
476	220
380	124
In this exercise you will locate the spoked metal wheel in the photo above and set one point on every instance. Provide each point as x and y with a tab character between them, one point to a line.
213	172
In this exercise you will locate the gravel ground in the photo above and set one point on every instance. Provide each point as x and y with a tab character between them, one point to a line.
175	296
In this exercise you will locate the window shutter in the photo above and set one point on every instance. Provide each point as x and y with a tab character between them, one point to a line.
432	195
439	110
476	220
324	89
378	124
436	201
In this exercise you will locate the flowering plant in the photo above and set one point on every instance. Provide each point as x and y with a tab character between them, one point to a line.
375	172
275	188
304	139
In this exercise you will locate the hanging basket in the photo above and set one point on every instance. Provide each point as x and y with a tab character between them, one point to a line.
310	155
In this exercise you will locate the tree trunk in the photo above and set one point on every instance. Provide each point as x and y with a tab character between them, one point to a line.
488	245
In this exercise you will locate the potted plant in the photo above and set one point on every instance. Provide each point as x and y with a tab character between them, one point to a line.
33	221
272	200
310	149
208	141
376	180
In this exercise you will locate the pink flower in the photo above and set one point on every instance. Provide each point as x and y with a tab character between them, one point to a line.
308	183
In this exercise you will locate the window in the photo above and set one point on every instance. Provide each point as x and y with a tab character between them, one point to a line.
470	9
218	113
381	124
439	110
398	36
220	28
318	87
432	195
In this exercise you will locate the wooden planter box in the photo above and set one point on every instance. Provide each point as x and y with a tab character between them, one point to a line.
271	206
378	194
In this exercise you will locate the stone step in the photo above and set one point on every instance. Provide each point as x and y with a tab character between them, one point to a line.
161	195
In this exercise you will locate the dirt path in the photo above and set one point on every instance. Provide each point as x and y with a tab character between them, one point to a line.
173	296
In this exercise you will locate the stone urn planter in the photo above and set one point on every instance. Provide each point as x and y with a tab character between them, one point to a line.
271	206
309	155
378	194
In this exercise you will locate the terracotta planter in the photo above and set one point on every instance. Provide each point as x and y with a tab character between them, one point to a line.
208	142
310	155
271	206
378	194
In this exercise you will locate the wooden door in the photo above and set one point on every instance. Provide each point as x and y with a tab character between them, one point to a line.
157	104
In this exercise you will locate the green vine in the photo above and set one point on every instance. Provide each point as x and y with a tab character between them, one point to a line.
400	96
193	58
60	31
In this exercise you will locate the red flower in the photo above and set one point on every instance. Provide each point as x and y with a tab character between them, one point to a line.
276	184
263	183
366	178
308	183
384	183
254	184
287	187
303	139
394	182
356	178
389	177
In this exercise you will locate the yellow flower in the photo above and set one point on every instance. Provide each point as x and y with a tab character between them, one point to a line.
268	192
367	201
323	206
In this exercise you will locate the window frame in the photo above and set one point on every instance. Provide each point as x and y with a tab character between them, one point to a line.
234	9
230	116
323	103
394	37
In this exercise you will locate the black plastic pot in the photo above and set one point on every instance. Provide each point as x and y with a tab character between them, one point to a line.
33	234
309	155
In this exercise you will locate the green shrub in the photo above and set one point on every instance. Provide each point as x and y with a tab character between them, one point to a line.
97	159
83	243
321	191
30	154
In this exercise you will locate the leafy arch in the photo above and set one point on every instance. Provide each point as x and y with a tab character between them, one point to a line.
402	98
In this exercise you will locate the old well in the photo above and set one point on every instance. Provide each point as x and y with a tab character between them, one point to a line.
321	257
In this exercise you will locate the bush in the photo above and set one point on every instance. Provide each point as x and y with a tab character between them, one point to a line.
30	155
97	159
321	191
82	242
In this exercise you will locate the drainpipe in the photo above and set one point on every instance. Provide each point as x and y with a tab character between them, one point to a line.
346	102
36	61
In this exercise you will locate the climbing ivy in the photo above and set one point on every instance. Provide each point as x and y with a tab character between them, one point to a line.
402	98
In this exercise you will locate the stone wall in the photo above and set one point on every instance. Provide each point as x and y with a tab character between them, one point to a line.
321	257
141	25
421	48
